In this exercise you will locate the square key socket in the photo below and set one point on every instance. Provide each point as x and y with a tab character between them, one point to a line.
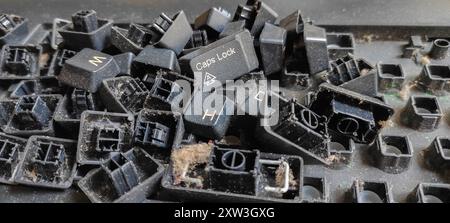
158	132
123	94
431	193
68	112
19	62
371	192
48	162
422	113
315	190
437	155
294	75
347	68
341	150
13	30
37	87
32	115
103	134
391	77
127	177
340	44
168	91
392	153
435	78
12	151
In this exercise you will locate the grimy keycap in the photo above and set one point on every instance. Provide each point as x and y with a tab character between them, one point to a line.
226	59
87	69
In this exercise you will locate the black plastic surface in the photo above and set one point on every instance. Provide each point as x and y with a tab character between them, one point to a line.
392	49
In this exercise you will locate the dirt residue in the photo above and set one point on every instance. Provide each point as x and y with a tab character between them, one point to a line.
230	140
406	91
422	153
364	72
189	156
43	59
368	38
424	60
279	177
32	175
332	159
386	124
360	184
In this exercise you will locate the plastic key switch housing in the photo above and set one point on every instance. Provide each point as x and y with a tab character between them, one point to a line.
124	94
19	61
127	177
86	31
48	162
103	134
32	115
13	29
11	153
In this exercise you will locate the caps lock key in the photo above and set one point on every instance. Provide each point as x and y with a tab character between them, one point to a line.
226	59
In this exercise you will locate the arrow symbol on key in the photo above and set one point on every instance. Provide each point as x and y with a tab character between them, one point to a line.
209	79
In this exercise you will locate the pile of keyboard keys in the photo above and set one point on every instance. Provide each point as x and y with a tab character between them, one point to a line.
198	111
